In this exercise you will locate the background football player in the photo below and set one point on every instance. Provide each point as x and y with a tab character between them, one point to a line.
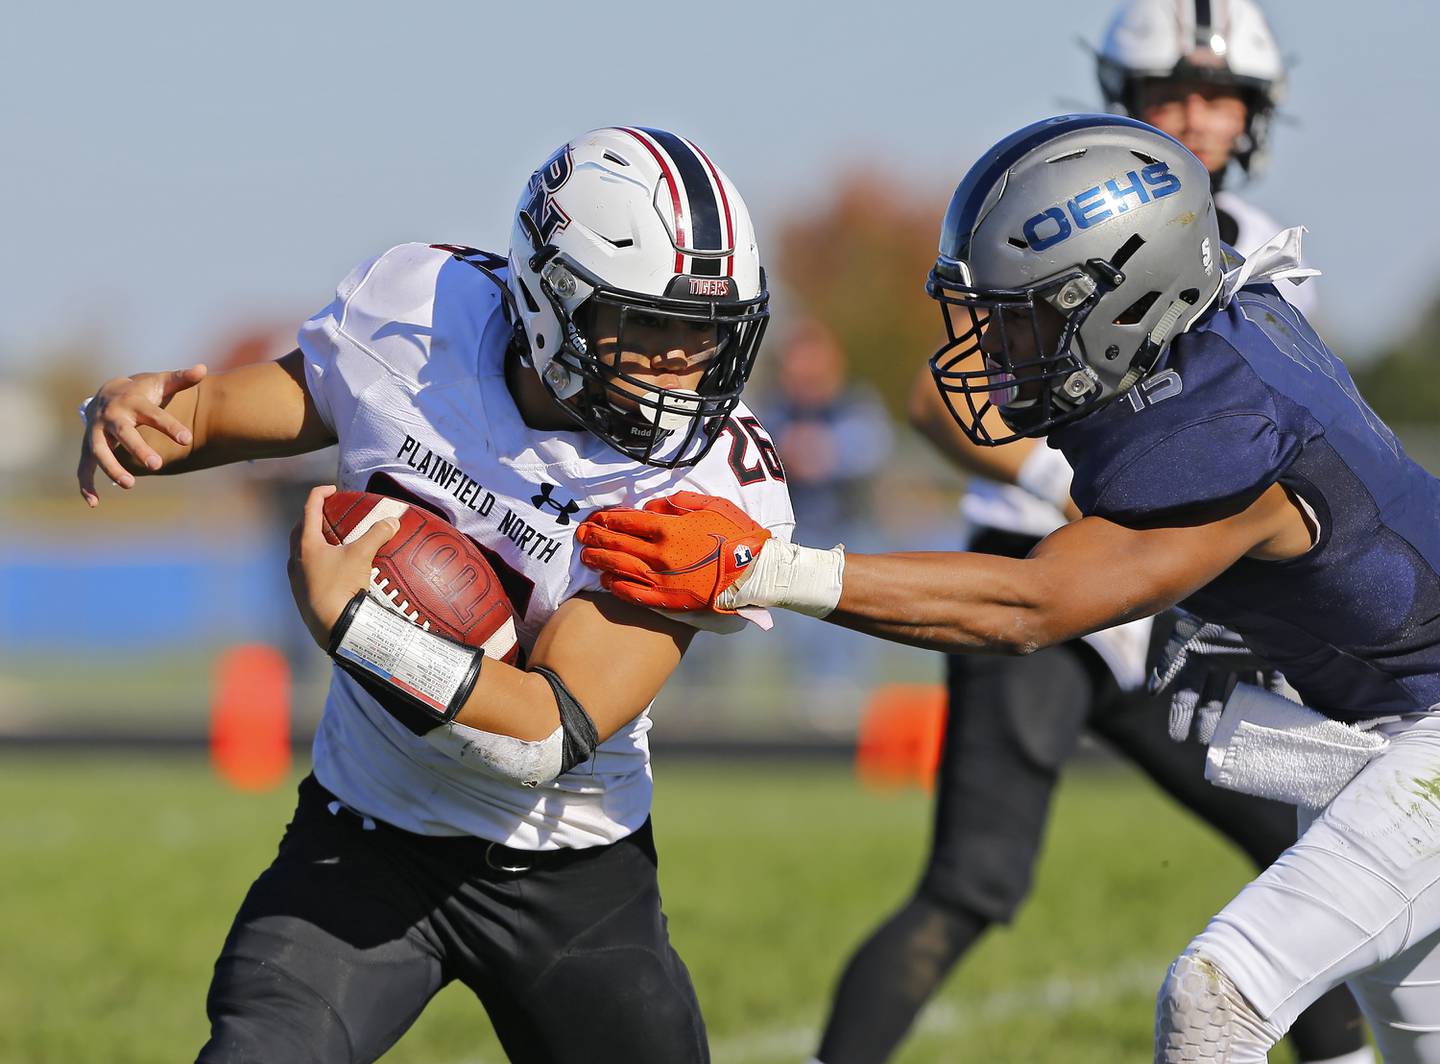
1222	458
1210	75
509	847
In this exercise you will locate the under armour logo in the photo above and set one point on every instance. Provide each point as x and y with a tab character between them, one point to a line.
563	510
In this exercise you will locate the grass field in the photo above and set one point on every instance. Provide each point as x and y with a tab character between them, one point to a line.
118	881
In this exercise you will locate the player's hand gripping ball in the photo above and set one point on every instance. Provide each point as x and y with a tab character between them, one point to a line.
427	570
678	553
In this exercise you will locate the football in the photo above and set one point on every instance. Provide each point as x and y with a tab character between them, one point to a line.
429	571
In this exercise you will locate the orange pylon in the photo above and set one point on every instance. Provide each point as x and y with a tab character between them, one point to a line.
250	718
902	732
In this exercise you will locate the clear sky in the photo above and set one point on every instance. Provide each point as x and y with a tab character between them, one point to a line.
174	168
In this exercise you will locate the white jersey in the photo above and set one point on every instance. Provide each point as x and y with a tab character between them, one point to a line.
990	504
407	367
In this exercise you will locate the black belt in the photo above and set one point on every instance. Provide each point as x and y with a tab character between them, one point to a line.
470	849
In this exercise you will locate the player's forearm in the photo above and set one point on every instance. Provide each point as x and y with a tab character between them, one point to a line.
258	411
253	412
951	602
452	682
510	701
487	715
1086	576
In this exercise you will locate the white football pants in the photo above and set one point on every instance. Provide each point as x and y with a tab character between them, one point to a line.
1355	900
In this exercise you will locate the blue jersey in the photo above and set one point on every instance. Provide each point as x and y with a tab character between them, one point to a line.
1248	398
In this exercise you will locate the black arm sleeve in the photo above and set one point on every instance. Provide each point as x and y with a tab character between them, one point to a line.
580	735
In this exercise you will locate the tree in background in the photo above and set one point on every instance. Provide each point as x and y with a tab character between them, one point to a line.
858	262
1402	382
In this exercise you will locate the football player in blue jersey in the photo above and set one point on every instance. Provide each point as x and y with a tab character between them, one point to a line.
1224	460
1211	76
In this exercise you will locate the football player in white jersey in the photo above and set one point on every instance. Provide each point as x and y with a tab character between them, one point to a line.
506	841
1210	75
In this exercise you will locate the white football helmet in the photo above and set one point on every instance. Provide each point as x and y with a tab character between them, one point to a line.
1224	41
639	219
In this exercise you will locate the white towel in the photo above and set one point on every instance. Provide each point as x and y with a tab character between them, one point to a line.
1272	747
1278	259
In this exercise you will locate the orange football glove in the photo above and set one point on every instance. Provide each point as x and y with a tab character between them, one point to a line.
678	553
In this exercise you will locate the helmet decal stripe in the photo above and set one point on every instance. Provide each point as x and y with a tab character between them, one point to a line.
704	213
725	203
1204	26
670	181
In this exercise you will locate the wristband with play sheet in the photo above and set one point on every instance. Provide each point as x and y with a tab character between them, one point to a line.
432	673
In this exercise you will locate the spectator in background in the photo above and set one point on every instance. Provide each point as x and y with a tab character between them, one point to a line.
833	435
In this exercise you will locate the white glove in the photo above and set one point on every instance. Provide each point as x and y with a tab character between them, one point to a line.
1199	665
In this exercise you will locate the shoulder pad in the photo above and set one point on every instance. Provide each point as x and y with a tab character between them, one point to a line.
1202	431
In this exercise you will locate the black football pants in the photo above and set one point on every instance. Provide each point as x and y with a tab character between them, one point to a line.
343	940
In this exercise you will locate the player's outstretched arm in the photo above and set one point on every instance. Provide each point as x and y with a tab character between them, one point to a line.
190	419
1089	575
1086	576
612	656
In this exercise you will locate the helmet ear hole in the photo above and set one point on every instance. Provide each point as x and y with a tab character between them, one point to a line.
530	303
584	318
1135	313
1127	251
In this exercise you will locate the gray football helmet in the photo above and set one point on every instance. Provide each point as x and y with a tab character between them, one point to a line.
1072	253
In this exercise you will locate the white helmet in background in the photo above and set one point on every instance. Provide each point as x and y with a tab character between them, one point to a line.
641	220
1226	42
